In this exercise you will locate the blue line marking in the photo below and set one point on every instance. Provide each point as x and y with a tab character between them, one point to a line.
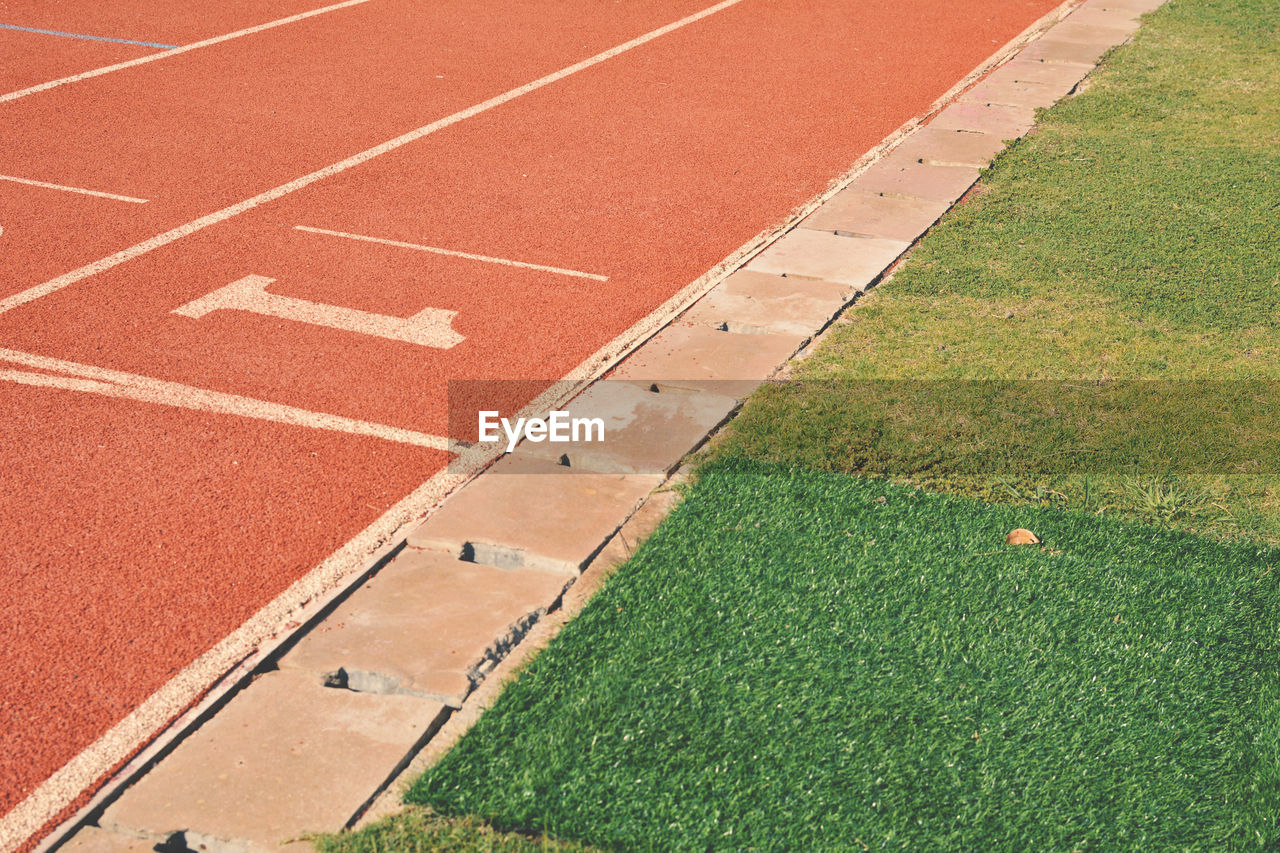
82	36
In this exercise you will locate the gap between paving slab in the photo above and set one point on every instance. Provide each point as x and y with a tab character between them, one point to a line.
512	540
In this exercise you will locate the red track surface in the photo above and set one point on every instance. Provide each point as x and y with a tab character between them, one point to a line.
133	543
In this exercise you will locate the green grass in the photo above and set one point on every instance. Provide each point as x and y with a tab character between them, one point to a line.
799	660
1132	236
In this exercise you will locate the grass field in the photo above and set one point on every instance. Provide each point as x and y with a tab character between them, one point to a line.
829	646
807	661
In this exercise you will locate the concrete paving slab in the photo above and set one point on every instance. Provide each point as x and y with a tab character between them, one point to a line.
629	539
853	213
1133	7
1050	49
427	625
1002	89
755	303
1120	19
937	146
853	261
533	513
1060	77
285	757
900	175
1086	33
647	431
1007	122
702	358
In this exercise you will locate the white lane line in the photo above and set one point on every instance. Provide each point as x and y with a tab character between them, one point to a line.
142	60
114	383
468	255
53	285
80	190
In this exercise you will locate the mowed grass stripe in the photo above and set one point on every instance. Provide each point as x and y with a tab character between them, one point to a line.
799	660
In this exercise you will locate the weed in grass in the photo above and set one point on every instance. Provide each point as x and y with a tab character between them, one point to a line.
1165	500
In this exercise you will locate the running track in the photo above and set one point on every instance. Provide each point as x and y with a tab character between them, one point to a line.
145	518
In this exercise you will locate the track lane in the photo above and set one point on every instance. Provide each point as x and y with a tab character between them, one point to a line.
43	227
149	20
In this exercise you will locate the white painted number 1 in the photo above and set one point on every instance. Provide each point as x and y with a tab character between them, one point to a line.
429	327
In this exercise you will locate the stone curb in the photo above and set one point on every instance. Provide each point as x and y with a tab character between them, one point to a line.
755	303
404	665
531	513
285	756
651	426
428	625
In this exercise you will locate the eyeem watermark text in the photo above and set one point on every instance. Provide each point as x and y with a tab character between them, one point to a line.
557	427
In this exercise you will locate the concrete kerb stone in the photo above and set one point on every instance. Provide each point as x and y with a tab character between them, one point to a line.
699	357
1090	33
901	175
1060	51
620	548
1007	122
935	146
1060	78
648	429
853	213
853	261
756	303
287	756
92	839
533	513
1132	7
427	625
624	545
1118	19
1002	88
